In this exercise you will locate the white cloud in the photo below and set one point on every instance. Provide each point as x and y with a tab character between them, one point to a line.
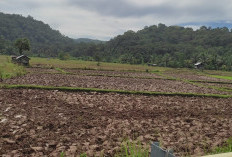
194	27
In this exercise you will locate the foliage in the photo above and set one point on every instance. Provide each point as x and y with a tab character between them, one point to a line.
226	147
8	70
221	77
63	56
167	46
22	44
62	154
90	65
132	149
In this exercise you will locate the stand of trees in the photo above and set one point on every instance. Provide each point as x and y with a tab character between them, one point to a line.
171	46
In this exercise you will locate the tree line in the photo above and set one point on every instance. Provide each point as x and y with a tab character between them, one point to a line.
171	46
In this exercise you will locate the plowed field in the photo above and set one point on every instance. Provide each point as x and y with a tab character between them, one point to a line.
46	123
36	122
102	82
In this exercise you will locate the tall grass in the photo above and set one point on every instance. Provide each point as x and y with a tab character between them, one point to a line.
132	149
225	148
8	70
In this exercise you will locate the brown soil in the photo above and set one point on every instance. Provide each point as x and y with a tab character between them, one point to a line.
133	84
218	85
39	122
193	76
42	70
113	73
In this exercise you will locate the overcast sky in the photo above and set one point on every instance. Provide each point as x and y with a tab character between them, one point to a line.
104	19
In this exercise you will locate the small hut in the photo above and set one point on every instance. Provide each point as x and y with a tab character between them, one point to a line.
150	64
22	60
199	65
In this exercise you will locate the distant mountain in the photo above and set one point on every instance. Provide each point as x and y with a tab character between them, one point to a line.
87	40
173	46
43	38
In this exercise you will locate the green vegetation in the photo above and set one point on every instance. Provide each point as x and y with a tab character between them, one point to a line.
22	44
221	77
44	40
62	154
8	70
61	70
226	147
132	149
218	82
63	56
86	40
90	65
171	46
74	89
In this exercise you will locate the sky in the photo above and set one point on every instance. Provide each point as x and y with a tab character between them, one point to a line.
105	19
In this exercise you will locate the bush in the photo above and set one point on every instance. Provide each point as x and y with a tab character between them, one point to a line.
63	56
8	70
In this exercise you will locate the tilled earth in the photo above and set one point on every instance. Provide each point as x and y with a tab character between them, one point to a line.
113	73
194	76
40	122
102	82
229	86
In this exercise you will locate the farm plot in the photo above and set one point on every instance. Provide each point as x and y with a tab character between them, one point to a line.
101	82
41	70
193	75
114	73
40	122
219	85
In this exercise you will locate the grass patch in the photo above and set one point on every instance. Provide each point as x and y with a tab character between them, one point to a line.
221	77
198	83
72	89
8	69
218	82
225	148
79	64
60	70
132	149
224	89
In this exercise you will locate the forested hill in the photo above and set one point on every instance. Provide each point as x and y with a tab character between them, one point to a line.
87	40
173	46
43	39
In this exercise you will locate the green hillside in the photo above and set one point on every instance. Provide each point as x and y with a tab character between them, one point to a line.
171	46
86	40
43	39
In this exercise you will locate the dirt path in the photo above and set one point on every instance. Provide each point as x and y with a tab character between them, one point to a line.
39	122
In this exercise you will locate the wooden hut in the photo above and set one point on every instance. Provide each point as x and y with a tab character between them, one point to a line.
22	60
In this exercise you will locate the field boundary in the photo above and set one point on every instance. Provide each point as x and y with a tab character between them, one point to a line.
76	89
162	76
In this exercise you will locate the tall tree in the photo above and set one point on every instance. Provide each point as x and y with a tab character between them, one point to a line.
23	44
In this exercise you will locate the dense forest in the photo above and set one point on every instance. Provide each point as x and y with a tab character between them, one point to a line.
171	46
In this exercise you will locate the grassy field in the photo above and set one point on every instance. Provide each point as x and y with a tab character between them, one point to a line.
221	77
8	69
79	64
